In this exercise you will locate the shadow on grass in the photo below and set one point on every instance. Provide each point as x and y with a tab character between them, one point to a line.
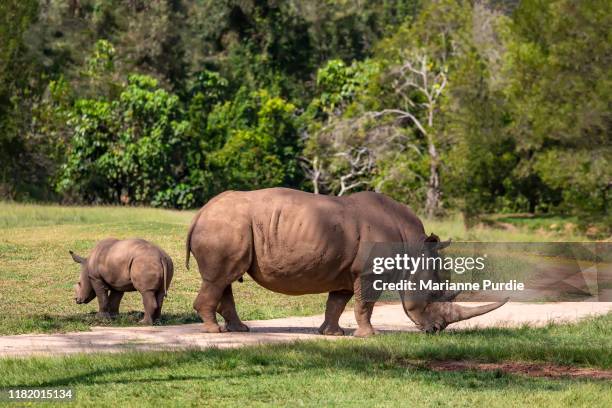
49	323
306	360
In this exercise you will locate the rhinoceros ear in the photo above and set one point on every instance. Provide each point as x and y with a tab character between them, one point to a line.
77	258
434	240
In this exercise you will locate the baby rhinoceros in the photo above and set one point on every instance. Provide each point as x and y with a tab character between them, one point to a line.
115	267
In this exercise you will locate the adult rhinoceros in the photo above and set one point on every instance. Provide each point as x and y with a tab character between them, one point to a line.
298	243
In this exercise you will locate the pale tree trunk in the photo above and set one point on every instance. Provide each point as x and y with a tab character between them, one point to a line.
432	204
316	175
313	171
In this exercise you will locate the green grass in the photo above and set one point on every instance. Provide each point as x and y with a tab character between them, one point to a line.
37	274
387	370
534	229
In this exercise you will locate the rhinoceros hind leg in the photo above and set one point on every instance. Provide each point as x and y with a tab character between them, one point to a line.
150	306
160	301
336	302
227	309
206	305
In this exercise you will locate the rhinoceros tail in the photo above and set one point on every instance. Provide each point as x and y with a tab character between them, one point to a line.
188	242
164	263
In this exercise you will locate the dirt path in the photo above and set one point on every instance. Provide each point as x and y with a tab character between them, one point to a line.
385	318
520	368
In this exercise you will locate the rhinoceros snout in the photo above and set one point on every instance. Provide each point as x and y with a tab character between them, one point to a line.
434	327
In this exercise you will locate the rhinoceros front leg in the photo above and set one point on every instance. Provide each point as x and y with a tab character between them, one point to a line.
114	299
227	309
103	300
363	313
336	302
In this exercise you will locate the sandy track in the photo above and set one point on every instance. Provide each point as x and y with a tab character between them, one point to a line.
386	318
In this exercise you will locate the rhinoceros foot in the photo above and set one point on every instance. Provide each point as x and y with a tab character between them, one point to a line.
146	321
364	332
236	327
213	328
329	330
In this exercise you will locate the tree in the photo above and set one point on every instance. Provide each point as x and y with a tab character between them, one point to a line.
129	150
341	148
559	68
16	89
257	137
481	162
420	83
344	156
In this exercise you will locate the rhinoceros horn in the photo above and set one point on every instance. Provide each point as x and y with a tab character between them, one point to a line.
435	316
452	312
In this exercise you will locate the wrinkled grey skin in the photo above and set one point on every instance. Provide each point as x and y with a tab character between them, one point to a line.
298	243
115	267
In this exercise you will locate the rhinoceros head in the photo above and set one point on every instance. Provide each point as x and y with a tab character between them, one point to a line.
434	311
83	291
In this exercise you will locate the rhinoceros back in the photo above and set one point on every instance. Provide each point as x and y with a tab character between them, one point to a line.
302	243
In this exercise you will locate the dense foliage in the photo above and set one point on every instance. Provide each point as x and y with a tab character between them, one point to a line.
480	106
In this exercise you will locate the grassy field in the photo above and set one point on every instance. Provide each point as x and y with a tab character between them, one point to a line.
388	370
37	274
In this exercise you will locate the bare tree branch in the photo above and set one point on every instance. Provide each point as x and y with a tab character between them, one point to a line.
314	172
401	114
361	162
